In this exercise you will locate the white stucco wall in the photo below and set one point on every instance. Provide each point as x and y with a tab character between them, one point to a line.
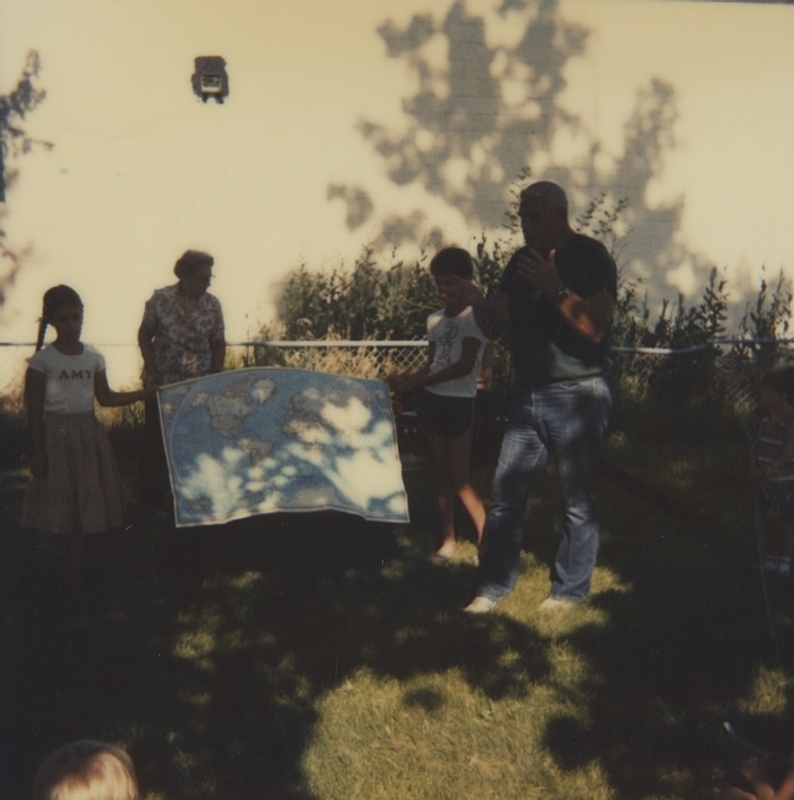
141	169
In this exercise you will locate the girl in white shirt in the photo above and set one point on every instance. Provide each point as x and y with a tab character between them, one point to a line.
75	487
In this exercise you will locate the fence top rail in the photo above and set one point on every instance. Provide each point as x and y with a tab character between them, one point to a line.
278	343
336	343
660	351
669	351
423	343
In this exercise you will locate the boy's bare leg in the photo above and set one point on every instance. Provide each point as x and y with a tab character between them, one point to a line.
445	496
459	451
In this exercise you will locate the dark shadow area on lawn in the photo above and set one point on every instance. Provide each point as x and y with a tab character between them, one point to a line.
206	650
680	648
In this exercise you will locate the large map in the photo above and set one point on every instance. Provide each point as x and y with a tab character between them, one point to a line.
268	439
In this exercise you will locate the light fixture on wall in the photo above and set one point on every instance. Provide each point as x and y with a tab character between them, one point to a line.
210	78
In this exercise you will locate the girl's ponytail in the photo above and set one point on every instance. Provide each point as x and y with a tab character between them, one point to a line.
42	329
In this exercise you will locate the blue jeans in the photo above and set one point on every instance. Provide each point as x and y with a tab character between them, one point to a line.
567	420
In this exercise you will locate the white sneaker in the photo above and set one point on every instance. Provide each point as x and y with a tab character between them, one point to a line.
480	605
556	604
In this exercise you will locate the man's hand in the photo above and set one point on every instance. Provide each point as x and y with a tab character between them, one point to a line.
591	317
540	272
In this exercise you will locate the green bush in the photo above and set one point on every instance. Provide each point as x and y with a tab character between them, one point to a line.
367	302
670	395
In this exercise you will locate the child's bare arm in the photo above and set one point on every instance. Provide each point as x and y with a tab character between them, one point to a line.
411	380
404	383
463	366
34	404
107	397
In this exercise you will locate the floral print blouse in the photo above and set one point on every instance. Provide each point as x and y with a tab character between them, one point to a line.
182	342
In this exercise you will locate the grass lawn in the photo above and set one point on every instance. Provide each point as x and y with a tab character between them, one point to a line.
319	656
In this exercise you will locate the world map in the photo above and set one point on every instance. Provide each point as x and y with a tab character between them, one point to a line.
272	439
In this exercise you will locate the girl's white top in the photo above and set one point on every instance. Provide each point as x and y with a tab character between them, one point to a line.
68	380
448	334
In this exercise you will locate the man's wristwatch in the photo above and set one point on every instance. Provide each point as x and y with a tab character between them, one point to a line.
563	293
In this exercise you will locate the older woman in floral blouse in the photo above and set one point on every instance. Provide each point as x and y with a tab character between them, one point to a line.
181	336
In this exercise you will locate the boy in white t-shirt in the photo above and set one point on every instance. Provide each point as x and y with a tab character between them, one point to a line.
449	386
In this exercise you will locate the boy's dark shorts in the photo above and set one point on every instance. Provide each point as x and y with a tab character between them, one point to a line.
448	417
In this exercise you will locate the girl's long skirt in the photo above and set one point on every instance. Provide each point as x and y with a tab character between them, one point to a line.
81	490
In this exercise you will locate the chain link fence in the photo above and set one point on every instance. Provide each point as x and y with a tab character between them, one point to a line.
362	359
656	392
719	378
723	372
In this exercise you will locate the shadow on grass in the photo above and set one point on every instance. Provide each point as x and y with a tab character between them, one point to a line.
679	651
206	651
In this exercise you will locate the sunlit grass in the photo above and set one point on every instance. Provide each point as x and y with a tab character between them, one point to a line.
436	736
769	692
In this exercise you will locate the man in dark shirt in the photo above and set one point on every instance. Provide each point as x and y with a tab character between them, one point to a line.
556	297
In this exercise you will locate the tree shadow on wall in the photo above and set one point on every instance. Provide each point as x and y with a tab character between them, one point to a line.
488	106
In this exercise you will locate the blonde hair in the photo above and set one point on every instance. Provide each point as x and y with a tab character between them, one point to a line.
86	770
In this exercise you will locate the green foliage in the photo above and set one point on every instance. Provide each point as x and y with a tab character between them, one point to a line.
693	325
13	431
672	395
372	301
602	219
14	142
768	319
365	303
16	104
772	315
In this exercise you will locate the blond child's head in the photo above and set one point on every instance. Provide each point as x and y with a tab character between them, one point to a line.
86	770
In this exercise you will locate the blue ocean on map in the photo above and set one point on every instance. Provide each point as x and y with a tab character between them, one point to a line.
272	439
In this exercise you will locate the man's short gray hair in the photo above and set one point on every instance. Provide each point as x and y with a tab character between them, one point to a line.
553	196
